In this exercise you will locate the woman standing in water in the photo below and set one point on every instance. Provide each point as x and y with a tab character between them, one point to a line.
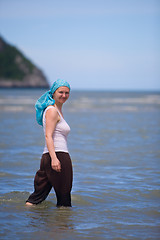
56	166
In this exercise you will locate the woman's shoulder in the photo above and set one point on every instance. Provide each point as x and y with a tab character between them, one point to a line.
50	109
52	112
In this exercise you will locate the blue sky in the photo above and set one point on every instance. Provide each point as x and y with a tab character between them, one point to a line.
93	44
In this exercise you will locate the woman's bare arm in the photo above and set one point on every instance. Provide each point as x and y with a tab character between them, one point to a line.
52	117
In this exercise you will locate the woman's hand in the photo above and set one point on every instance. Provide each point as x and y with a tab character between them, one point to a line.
56	165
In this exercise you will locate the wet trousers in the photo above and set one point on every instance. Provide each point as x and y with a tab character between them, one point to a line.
46	178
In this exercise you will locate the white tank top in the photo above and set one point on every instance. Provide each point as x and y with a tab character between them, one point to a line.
60	133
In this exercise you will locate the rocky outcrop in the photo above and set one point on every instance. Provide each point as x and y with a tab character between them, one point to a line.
17	71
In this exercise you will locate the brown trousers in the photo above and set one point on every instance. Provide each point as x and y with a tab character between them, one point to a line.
46	178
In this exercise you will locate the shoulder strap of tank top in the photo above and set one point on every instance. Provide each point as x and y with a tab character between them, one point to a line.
59	112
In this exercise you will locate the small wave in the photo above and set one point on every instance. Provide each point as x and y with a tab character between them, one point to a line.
80	200
14	196
114	104
5	174
17	104
17	101
16	109
150	99
150	194
87	226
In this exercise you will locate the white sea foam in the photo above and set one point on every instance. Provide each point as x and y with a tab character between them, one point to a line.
16	109
17	100
17	104
150	99
92	102
111	103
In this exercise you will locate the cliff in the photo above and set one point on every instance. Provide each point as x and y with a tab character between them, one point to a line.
16	70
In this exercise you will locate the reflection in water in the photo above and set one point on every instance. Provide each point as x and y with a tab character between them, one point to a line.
51	218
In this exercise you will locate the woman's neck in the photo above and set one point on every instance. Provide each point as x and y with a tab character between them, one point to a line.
58	106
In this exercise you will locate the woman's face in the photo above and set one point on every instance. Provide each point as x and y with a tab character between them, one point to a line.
61	95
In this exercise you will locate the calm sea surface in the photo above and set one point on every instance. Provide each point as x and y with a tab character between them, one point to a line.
115	148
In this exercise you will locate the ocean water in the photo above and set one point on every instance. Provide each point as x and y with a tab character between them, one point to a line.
115	149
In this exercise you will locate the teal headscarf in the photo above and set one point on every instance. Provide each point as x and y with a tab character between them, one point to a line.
47	99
